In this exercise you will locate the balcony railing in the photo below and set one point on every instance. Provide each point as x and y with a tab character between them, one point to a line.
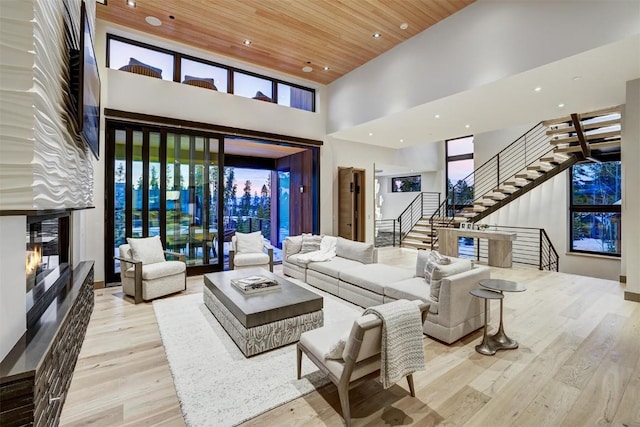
532	247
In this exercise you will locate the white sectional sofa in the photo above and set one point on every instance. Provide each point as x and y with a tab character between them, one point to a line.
354	275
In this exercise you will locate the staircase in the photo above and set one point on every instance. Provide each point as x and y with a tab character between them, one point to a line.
546	150
423	234
571	139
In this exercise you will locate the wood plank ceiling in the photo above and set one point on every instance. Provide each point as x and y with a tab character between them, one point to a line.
286	35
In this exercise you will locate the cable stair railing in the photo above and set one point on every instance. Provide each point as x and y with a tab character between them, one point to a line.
401	230
409	228
543	152
531	248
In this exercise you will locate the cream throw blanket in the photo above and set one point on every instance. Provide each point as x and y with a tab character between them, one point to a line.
402	351
326	252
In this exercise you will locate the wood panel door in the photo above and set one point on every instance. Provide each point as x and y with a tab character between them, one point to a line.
351	193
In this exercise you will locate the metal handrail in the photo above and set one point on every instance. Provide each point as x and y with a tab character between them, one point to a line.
422	206
531	247
386	233
549	259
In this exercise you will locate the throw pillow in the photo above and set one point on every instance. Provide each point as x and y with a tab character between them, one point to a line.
421	262
442	260
337	348
147	249
435	272
357	251
249	242
310	243
134	61
294	244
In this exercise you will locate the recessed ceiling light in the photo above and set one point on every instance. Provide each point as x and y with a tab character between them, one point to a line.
325	68
537	89
131	3
560	105
404	26
307	69
247	42
376	35
437	116
370	133
401	140
152	20
467	126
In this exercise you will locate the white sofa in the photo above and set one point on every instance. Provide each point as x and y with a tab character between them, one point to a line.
354	275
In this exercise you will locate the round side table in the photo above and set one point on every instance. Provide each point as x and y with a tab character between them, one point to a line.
500	340
487	346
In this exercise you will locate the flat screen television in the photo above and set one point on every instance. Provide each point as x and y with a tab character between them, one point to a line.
89	88
403	184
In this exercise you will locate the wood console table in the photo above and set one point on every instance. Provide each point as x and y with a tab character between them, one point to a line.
500	243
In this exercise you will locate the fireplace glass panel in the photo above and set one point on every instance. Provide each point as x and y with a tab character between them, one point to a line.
46	247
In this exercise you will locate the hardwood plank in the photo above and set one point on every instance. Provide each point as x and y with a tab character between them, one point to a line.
599	400
628	413
549	406
462	406
123	379
577	371
520	391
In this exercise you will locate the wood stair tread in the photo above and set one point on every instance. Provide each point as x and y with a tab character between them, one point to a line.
504	190
588	126
588	137
557	159
594	146
585	116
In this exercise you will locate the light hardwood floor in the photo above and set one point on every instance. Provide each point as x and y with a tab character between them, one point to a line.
578	365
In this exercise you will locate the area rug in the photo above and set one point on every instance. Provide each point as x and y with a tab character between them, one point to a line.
215	383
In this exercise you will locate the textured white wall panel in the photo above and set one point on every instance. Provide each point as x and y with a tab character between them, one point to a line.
43	163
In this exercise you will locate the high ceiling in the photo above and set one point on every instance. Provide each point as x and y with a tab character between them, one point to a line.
286	35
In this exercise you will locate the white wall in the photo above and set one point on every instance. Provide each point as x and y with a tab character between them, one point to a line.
487	41
43	163
630	186
13	282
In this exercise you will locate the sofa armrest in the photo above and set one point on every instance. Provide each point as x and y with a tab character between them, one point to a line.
181	257
455	303
137	268
269	249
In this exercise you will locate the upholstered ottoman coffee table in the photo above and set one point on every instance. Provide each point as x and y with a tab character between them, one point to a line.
265	320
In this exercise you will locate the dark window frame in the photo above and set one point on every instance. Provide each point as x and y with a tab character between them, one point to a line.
575	208
177	72
454	158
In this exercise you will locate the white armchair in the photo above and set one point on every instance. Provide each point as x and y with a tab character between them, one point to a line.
248	251
146	274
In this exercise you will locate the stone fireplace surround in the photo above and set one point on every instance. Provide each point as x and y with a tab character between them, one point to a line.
42	330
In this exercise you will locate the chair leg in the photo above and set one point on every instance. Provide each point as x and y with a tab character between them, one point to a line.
299	362
412	389
343	392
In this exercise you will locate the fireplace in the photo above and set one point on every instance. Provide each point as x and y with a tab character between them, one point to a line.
46	261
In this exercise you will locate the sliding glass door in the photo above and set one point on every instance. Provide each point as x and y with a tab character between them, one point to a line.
164	184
